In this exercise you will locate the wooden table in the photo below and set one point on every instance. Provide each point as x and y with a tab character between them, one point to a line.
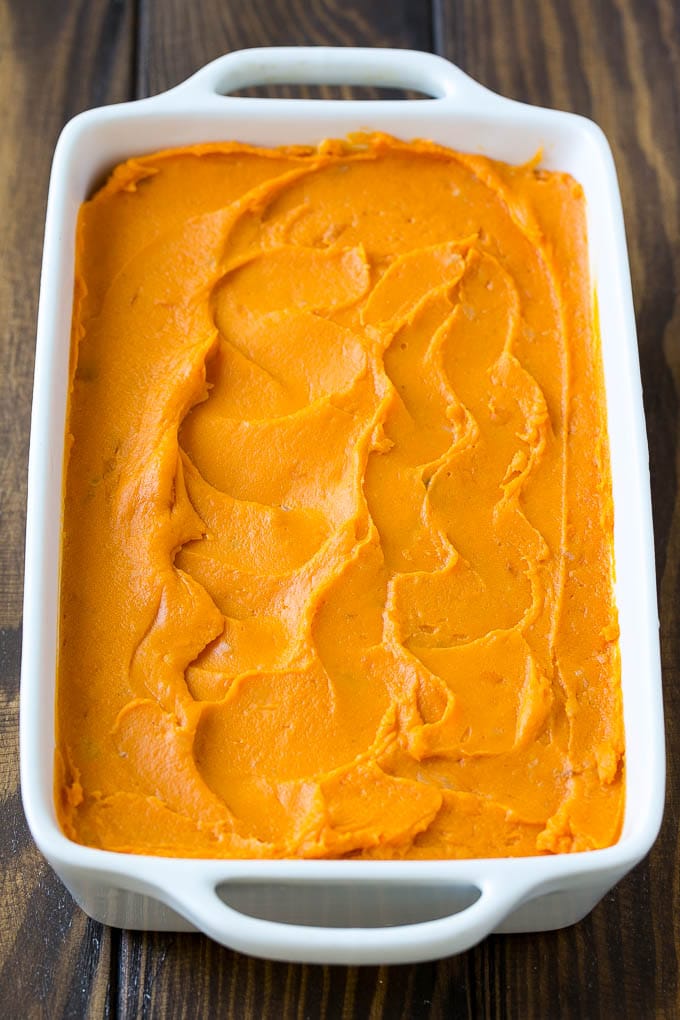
617	61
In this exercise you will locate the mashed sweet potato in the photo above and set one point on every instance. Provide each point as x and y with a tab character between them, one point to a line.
337	542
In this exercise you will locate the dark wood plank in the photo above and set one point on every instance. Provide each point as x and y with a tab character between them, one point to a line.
186	975
618	62
55	60
176	38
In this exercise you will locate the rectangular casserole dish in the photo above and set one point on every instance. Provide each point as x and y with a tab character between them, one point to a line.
343	911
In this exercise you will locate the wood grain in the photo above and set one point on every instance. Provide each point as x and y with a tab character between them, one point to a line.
177	38
617	61
55	60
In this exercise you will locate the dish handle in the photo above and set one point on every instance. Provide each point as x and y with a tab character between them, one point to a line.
332	65
484	905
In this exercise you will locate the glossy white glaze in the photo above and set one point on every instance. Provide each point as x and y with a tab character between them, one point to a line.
527	894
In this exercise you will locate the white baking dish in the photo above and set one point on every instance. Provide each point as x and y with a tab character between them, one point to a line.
343	911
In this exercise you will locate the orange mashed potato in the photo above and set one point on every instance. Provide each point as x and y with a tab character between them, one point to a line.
337	554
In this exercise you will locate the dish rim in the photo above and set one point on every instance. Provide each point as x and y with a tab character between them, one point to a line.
505	881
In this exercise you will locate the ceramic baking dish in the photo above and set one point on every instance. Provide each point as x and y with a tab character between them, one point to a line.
343	911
